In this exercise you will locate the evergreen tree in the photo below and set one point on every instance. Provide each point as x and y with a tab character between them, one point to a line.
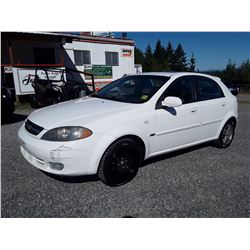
159	57
192	63
238	75
179	59
244	72
158	50
139	56
148	60
169	56
230	72
169	50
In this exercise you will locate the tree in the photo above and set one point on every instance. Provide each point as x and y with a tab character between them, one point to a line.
244	72
148	60
230	72
164	59
179	59
169	50
159	57
139	56
238	75
169	53
192	63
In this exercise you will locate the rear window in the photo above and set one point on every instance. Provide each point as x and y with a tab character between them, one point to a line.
208	89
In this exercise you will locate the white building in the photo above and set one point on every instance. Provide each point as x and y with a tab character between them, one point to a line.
22	52
107	58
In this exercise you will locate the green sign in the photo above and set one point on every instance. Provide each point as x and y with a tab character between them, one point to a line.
100	72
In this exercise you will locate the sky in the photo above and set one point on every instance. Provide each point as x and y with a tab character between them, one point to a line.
212	50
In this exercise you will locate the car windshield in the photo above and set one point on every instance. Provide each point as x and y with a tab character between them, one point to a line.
132	89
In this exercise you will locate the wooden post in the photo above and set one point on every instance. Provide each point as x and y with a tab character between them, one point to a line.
62	56
11	57
11	53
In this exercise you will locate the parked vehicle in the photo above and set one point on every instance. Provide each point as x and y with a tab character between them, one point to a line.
234	88
111	132
49	90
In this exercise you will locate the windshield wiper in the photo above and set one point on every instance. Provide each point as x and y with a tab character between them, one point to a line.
105	97
97	96
112	98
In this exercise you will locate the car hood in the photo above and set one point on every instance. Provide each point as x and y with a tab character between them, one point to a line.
77	112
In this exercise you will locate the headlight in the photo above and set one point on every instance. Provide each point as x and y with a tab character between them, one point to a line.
66	134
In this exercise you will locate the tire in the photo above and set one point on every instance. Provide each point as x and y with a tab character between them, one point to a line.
120	162
226	135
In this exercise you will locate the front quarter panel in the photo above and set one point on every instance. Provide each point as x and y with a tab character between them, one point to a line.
138	123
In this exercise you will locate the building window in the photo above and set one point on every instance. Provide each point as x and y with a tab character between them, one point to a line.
44	56
82	57
111	58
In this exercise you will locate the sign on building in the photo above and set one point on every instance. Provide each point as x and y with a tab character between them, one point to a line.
24	77
127	52
100	72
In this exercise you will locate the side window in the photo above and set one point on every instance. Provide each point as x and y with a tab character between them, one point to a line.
86	57
183	88
208	89
82	57
111	59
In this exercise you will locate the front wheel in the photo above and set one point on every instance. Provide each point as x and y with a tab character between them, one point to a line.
120	162
226	135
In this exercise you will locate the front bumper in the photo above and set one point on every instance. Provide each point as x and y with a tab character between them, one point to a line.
77	157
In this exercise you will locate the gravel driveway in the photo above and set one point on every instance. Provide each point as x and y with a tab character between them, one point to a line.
199	182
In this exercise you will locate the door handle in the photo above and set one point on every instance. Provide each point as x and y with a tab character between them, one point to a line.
194	110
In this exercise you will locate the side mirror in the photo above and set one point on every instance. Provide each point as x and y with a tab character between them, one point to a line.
171	101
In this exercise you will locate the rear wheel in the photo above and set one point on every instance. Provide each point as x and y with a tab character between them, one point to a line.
120	162
226	135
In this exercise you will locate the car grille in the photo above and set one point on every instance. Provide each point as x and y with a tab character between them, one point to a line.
33	128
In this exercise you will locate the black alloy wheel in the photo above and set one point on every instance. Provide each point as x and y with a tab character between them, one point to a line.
120	162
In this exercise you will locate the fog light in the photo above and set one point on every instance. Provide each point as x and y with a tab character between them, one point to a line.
56	165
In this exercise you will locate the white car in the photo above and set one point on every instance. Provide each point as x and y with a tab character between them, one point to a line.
111	132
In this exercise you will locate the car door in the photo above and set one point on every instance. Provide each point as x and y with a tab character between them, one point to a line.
176	127
211	104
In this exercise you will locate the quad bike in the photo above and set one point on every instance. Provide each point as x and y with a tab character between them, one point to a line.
49	90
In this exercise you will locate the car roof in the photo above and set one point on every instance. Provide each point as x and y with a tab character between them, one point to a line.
177	74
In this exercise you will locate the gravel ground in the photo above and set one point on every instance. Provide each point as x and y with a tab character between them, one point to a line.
199	182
